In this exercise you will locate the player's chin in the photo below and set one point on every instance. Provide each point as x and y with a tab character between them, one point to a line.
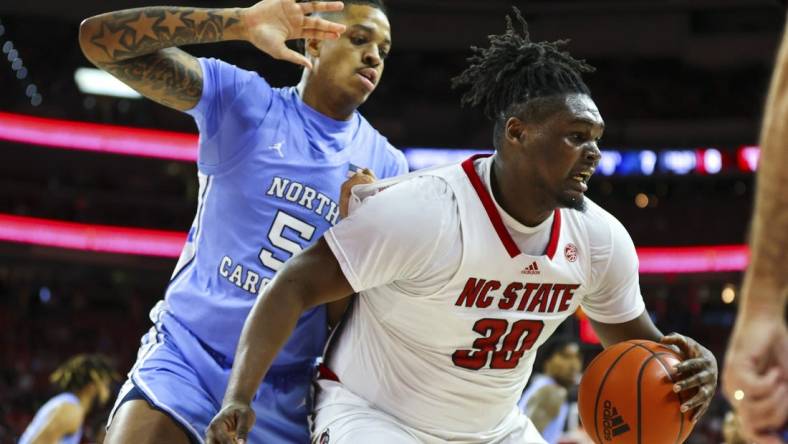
362	95
355	97
572	199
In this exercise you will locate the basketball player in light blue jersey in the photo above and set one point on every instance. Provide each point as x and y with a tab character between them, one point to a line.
271	162
546	400
84	382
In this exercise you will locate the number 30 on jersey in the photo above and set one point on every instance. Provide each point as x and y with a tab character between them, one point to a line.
521	338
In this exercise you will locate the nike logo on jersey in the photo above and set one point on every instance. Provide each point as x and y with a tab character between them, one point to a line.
530	297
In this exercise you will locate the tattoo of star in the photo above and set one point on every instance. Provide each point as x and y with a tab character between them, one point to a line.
172	21
143	27
108	40
197	17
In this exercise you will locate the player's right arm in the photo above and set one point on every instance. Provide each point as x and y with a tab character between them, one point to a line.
312	277
140	46
64	421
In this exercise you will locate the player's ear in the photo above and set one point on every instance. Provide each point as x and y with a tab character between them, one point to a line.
515	131
312	47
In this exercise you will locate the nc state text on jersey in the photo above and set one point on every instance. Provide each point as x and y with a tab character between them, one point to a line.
521	296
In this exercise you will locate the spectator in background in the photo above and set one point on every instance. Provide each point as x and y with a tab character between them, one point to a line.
546	400
85	382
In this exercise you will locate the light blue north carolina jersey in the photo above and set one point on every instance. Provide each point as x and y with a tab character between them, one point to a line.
270	171
42	419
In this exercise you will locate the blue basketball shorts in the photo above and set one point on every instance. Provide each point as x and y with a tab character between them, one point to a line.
181	377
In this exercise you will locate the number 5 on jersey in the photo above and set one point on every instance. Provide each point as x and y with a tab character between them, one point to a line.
275	236
520	339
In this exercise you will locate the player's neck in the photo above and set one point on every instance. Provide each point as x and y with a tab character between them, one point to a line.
323	103
518	197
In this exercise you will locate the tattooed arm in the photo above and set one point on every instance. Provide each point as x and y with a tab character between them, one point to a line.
139	46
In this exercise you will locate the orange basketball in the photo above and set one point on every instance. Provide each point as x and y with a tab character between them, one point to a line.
626	396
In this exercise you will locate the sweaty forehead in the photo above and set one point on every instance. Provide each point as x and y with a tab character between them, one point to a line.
582	107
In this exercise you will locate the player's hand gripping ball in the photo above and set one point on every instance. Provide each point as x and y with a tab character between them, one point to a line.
627	396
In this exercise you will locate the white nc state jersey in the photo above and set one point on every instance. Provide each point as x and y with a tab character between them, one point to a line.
454	361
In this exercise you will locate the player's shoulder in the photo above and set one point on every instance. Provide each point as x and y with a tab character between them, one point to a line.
249	88
394	159
68	416
228	70
381	142
417	193
420	187
600	225
422	205
396	156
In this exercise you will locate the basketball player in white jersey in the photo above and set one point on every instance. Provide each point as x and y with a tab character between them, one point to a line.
461	273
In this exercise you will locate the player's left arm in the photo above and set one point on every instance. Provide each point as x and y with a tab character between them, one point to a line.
619	291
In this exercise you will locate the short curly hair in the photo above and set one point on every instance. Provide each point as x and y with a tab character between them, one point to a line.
81	370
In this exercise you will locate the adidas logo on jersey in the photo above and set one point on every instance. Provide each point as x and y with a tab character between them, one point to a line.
531	269
612	423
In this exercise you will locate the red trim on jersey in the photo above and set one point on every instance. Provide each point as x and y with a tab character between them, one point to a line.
323	372
489	206
495	218
554	234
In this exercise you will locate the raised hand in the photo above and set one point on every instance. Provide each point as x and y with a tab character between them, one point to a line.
270	23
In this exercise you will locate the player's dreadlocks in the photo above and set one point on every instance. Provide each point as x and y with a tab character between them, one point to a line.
81	370
515	72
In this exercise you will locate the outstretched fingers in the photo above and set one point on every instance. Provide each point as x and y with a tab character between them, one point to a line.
319	24
312	7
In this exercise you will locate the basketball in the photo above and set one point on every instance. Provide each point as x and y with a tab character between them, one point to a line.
626	396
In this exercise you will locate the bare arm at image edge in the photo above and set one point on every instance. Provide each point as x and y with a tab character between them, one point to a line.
755	378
